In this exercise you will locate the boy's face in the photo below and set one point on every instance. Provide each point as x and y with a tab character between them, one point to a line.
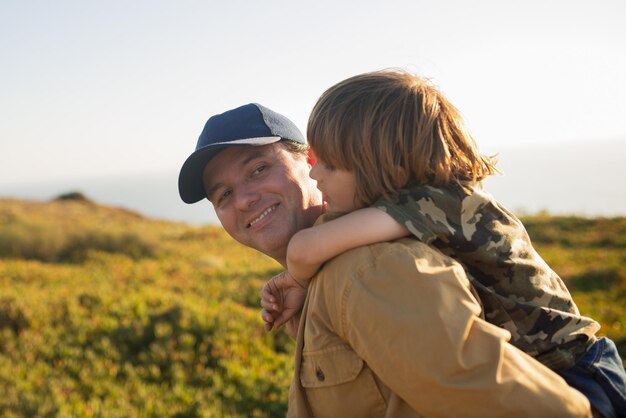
338	187
262	195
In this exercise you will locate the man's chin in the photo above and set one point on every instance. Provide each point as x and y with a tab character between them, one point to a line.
271	243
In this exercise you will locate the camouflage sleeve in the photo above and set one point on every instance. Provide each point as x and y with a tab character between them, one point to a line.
518	290
426	211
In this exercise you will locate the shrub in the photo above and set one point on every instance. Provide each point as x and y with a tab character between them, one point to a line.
75	196
52	243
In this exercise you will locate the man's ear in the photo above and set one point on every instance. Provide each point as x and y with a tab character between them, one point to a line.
310	159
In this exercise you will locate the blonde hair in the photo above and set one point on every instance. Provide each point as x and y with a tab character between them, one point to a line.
392	127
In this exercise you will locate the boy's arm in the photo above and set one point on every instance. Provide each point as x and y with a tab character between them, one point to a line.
309	248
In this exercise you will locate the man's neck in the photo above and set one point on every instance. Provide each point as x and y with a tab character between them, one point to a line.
281	258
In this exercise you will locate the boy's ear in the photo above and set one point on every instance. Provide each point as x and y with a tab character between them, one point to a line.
310	159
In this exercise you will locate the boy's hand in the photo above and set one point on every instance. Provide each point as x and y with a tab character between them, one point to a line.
282	297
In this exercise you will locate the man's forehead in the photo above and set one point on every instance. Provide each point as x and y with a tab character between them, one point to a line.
234	158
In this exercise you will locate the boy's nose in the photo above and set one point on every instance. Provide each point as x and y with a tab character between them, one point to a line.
314	172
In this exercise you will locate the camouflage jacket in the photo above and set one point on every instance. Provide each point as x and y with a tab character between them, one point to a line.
518	290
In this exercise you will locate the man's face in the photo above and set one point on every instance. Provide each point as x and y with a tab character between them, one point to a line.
262	195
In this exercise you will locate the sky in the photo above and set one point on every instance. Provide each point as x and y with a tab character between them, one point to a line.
108	89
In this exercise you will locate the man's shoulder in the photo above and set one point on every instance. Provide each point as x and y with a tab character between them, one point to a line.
406	253
392	271
410	247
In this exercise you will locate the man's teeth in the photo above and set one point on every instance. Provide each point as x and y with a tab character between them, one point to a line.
268	210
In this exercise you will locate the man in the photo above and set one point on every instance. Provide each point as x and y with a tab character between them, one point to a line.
395	330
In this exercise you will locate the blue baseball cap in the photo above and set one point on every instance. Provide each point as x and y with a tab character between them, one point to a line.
247	125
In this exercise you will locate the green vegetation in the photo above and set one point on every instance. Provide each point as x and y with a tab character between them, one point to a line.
590	256
106	313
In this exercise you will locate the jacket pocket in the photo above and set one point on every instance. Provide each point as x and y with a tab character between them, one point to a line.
338	383
329	367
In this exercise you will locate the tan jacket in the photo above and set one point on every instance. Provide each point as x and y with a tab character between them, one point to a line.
394	330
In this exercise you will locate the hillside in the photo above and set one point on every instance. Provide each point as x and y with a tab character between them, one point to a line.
106	312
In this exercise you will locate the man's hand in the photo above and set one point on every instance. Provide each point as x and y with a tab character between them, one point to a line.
282	298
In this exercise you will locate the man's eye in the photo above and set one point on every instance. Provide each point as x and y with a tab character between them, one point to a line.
220	197
259	169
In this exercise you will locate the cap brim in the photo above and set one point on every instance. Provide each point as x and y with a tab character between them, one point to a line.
190	185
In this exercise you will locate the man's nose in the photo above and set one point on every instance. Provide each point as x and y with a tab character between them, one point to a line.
246	197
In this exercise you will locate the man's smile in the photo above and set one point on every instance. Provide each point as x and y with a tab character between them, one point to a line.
261	216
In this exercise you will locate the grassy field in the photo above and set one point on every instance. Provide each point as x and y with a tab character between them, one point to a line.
106	313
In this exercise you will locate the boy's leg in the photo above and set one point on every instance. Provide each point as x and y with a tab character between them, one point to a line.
600	376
